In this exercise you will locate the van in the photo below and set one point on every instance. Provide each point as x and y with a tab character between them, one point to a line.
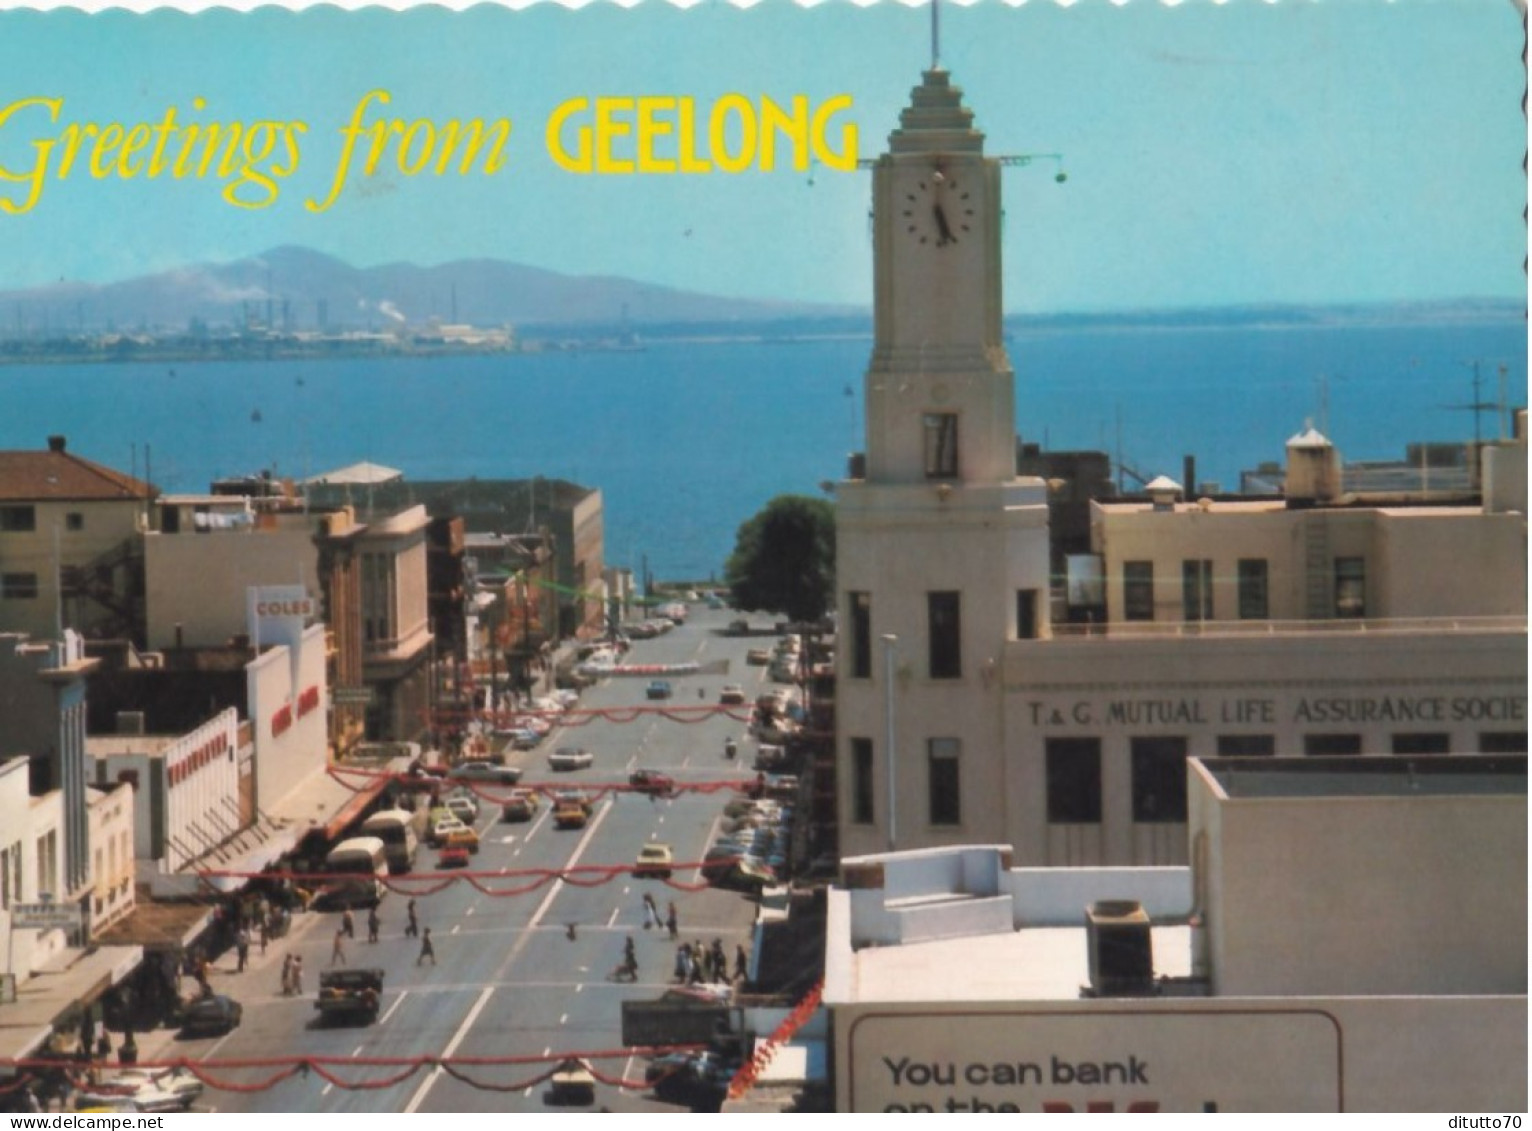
396	829
357	867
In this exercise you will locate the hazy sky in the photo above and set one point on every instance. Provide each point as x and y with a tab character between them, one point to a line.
1346	150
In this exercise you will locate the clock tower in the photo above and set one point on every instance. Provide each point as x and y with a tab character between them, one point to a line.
942	550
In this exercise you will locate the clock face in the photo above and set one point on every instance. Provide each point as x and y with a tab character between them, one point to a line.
936	211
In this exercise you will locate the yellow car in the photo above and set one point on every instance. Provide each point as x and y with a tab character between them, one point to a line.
460	836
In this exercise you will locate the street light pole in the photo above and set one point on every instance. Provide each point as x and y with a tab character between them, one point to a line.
890	651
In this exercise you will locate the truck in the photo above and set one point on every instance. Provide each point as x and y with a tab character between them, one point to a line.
351	994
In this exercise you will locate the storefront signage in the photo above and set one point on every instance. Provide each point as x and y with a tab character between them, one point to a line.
44	916
1305	710
1102	1061
278	614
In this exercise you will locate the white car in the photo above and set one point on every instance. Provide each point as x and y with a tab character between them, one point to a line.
465	807
485	771
144	1089
570	758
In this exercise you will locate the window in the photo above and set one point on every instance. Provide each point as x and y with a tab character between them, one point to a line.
1350	587
1074	781
861	781
17	519
1320	745
74	520
943	781
1197	590
861	635
1026	614
1159	780
18	586
1253	602
941	450
946	638
1246	745
1503	742
1138	590
1422	744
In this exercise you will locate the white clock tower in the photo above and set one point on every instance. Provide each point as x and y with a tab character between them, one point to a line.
941	549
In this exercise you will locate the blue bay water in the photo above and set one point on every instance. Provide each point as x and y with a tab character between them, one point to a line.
686	440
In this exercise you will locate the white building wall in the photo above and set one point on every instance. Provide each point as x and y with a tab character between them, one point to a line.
289	698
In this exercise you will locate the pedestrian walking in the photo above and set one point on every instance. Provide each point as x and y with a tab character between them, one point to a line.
412	928
348	924
651	911
426	949
671	922
720	962
678	972
741	964
264	930
287	976
338	952
242	949
373	924
297	974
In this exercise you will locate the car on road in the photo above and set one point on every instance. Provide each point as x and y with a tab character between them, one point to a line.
696	1079
570	815
731	693
652	782
567	758
351	994
459	836
463	806
453	856
485	771
521	805
143	1089
659	689
655	861
215	1013
760	657
574	797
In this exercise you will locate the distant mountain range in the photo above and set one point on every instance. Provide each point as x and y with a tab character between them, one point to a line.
298	289
295	288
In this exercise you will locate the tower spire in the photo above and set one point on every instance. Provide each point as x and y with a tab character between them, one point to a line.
936	35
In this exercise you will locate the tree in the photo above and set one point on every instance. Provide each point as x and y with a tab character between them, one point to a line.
784	559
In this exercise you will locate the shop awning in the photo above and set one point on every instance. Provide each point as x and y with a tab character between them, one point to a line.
71	979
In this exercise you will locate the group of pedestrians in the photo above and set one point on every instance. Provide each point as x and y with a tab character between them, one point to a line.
652	917
697	963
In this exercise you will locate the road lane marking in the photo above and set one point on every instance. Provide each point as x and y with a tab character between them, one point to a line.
469	911
537	916
563	1019
579	987
390	1011
457	1038
612	919
456	927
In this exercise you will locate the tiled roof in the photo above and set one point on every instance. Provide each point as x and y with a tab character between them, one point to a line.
61	475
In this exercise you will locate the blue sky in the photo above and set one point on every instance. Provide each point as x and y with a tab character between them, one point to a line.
1338	151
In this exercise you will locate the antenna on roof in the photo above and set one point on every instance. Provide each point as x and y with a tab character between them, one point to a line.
936	35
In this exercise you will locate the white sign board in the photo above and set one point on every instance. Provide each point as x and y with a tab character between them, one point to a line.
1170	1060
44	916
278	614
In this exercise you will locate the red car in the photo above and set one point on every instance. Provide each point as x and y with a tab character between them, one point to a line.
453	856
652	782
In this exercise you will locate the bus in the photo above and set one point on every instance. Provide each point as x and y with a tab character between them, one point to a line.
396	829
362	861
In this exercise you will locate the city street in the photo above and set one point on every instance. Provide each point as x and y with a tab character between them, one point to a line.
508	981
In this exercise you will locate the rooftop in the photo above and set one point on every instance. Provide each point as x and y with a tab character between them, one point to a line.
1456	775
57	475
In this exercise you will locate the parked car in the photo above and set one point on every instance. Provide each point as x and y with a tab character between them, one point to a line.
758	656
485	771
654	861
144	1089
521	805
652	782
731	693
459	836
568	815
741	873
692	1078
216	1013
464	806
659	689
567	758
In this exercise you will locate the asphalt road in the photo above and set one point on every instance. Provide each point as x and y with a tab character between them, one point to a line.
508	982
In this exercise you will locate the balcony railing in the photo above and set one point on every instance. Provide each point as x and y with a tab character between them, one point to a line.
1345	626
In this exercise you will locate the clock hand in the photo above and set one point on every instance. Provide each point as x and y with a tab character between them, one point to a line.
942	228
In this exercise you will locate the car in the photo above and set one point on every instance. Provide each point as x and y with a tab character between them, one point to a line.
523	738
567	758
652	782
772	701
215	1013
459	836
731	693
654	861
453	856
439	823
144	1089
574	797
464	806
483	770
760	657
659	689
570	816
572	1083
696	1079
741	873
521	805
